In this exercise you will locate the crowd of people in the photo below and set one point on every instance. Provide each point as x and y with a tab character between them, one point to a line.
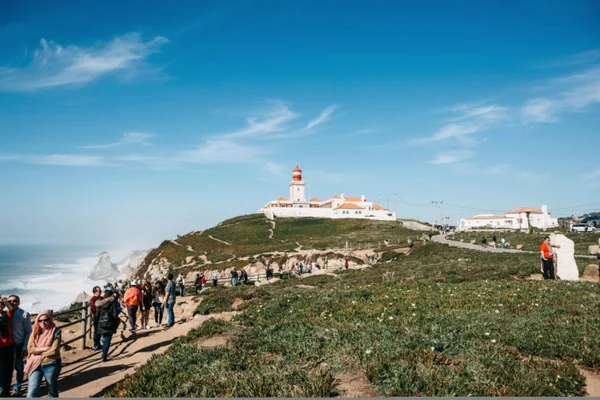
502	244
34	350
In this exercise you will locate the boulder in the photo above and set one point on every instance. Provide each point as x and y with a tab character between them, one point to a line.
566	268
591	271
593	249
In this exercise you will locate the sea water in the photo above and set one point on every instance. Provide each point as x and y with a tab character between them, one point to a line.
48	276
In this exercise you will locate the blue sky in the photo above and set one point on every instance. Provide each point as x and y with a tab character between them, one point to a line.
124	123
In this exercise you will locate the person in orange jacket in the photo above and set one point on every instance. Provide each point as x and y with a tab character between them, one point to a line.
132	299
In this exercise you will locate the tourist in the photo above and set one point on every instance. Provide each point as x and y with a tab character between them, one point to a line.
326	261
43	355
234	277
375	258
21	329
346	265
202	281
132	299
494	239
197	283
169	301
97	294
108	317
341	265
547	253
484	241
7	347
244	276
215	279
159	297
181	284
314	265
146	304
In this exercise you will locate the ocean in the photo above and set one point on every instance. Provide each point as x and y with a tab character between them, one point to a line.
48	277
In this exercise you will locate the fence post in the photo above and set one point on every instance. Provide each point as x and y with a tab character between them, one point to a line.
84	315
91	322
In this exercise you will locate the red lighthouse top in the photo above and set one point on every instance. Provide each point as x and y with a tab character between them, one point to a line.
297	174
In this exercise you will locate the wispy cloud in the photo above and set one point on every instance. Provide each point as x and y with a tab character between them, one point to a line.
224	150
54	65
66	160
276	169
323	117
469	119
592	175
539	110
452	157
265	123
568	94
129	138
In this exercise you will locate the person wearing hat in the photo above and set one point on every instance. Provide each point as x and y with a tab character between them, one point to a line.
133	299
108	309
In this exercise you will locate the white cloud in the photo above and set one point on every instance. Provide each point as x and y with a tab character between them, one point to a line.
129	138
571	93
585	57
497	169
452	157
323	117
224	151
265	123
471	119
54	65
539	110
67	160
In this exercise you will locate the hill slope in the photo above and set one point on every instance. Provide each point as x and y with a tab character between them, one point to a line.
252	239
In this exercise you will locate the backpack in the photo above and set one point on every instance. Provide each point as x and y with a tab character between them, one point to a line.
109	319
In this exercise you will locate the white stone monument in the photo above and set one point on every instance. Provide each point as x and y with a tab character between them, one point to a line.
566	268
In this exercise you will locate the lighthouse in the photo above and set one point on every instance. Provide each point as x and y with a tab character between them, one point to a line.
297	187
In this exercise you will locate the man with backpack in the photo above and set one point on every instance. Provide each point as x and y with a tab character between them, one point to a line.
108	310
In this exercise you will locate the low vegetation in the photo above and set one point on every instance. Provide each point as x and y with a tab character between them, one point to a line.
530	242
440	322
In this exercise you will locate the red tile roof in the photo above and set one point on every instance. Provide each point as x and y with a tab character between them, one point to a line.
349	206
524	210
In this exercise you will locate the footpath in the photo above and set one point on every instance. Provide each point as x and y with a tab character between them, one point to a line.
85	375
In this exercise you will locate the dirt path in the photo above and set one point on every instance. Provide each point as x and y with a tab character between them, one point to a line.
85	375
219	240
272	228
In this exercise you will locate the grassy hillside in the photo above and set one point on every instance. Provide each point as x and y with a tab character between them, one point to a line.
440	322
248	235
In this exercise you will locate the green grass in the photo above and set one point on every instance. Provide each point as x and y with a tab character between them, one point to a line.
440	322
530	242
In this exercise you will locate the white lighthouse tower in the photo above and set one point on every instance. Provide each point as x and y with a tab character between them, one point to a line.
297	187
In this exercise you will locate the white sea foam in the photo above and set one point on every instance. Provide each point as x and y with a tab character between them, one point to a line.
56	285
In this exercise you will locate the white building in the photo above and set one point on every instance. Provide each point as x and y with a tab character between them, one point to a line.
514	219
335	207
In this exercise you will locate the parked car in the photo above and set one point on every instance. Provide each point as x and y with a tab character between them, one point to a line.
582	228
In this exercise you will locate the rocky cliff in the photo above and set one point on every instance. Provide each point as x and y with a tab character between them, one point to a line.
104	269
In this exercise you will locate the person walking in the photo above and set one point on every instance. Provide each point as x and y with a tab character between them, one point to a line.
43	357
215	279
197	283
547	253
132	299
484	241
181	284
146	304
159	298
7	347
169	301
21	329
234	277
97	294
346	265
108	317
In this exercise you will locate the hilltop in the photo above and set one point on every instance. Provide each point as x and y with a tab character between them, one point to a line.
252	241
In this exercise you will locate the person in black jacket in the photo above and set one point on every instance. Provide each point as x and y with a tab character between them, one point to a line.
108	310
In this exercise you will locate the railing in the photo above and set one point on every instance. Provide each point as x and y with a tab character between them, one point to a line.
85	321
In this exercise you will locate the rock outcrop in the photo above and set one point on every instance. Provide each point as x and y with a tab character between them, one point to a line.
133	260
104	269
